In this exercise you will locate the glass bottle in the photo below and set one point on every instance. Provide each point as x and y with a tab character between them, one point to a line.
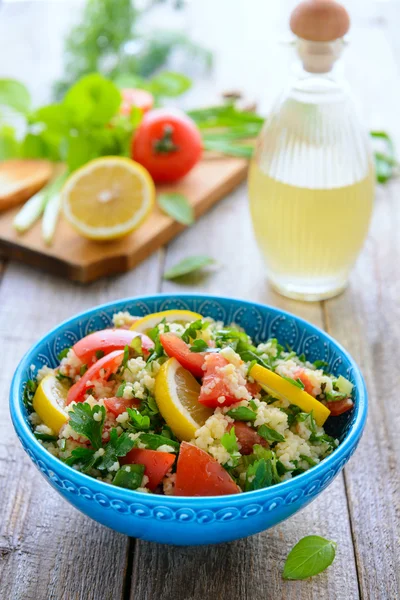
311	180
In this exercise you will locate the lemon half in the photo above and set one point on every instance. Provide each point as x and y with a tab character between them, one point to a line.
170	316
281	388
108	197
49	401
177	393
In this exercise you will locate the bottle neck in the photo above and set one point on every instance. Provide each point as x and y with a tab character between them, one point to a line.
319	57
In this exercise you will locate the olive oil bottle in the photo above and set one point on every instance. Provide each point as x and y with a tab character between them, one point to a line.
311	181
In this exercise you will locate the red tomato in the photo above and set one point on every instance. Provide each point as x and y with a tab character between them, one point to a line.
247	437
175	347
340	406
308	386
214	385
135	97
199	474
107	341
157	464
101	369
167	143
117	406
253	388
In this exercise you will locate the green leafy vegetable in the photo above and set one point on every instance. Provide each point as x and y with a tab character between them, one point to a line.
83	370
270	434
320	364
83	457
230	444
242	414
64	378
310	556
177	206
63	353
88	422
199	346
385	162
120	390
297	382
136	345
129	476
14	95
99	354
139	421
258	475
188	265
154	441
191	330
45	437
116	447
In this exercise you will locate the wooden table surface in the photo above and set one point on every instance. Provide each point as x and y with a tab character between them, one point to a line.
48	550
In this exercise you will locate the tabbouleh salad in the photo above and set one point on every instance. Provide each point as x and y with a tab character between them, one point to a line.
178	404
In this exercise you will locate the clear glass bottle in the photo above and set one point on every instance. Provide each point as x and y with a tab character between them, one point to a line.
311	181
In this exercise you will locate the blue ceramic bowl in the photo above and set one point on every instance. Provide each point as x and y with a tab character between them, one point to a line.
202	520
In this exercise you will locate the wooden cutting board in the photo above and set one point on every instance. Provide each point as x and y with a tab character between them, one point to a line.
76	258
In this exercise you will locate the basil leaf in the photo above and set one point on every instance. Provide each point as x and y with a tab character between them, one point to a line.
129	476
270	434
188	265
242	414
310	556
177	206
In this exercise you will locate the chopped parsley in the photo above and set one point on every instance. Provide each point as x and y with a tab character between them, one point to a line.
83	457
136	345
88	422
190	332
270	434
63	353
297	382
29	391
64	378
137	420
258	475
129	476
230	444
199	346
154	441
242	414
120	390
116	447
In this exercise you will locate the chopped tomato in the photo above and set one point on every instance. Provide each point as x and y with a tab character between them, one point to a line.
134	97
157	464
117	406
101	369
246	436
175	347
339	406
308	386
253	388
199	474
216	389
107	341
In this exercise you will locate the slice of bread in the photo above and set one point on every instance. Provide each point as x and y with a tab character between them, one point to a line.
20	179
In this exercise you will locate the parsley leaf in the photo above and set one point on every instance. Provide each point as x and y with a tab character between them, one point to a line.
63	353
230	444
120	391
319	364
199	346
258	475
154	441
29	391
45	437
270	434
83	457
242	414
64	378
116	447
190	332
297	382
88	422
136	345
310	556
139	421
129	476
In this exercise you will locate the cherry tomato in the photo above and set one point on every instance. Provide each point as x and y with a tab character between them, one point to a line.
117	406
199	474
308	386
175	347
246	436
253	388
101	369
135	97
339	406
157	464
167	143
107	341
215	385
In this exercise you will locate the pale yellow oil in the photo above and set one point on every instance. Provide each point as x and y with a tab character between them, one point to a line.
309	238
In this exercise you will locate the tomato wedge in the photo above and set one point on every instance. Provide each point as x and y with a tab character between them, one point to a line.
246	436
340	406
101	369
215	385
117	406
175	347
199	474
157	464
107	341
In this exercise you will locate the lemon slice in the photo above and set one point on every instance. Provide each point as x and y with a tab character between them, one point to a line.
108	197
49	402
170	316
281	388
177	393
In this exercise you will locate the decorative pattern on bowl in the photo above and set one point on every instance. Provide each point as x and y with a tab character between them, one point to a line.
180	520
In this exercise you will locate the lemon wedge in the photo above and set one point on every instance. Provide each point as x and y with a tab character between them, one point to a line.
177	393
108	197
279	387
170	316
48	402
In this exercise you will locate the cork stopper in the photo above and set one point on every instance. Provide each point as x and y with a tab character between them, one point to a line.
319	20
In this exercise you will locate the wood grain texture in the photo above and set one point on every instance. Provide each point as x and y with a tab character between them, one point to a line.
83	260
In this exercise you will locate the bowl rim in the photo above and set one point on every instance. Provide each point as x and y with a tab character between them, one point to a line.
26	436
